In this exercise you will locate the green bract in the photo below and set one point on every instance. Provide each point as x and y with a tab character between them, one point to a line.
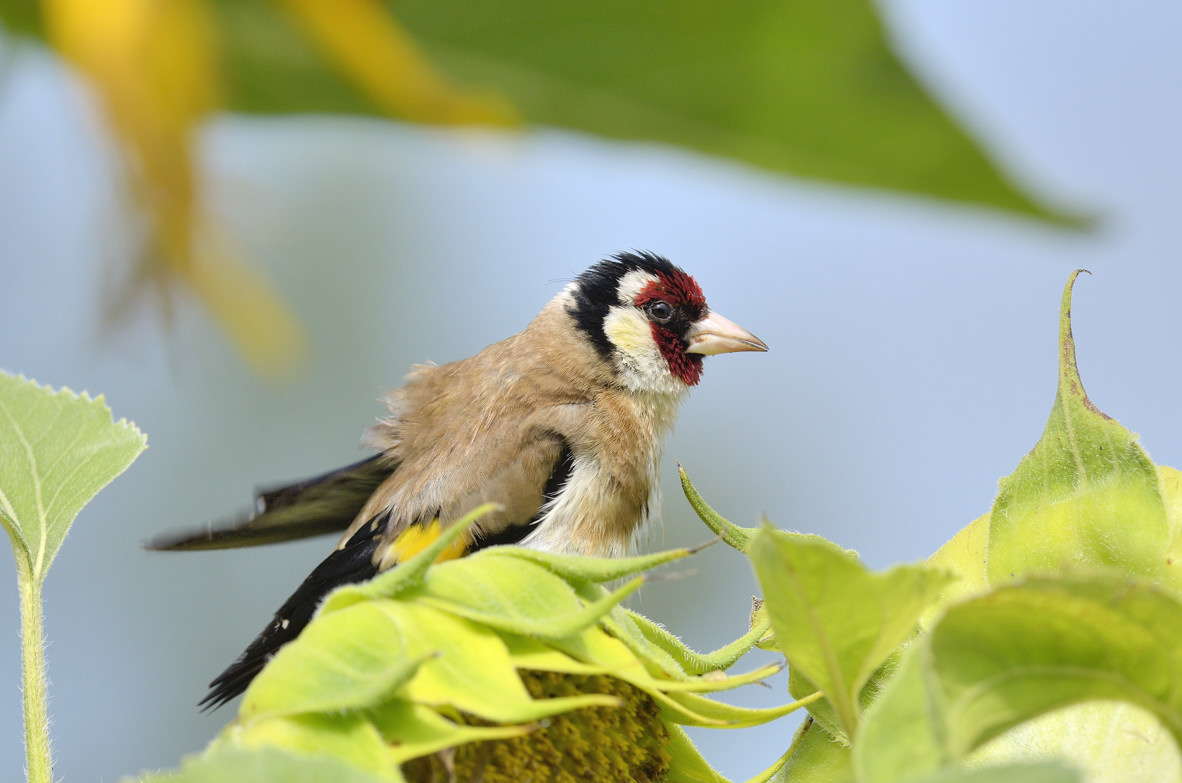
500	665
1081	488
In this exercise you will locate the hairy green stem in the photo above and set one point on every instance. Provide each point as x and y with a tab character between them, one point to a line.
37	752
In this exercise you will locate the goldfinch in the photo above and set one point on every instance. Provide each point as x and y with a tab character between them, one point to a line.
562	424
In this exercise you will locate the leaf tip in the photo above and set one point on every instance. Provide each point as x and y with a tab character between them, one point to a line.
1070	384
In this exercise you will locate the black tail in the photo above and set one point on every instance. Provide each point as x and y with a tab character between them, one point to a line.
349	564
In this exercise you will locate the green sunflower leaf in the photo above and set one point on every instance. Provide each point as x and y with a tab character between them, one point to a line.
57	450
265	765
835	621
1019	652
348	738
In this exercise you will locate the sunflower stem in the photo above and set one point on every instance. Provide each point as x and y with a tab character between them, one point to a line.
39	760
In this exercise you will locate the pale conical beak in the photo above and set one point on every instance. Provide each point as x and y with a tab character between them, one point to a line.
715	334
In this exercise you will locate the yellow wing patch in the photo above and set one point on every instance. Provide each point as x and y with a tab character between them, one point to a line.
416	538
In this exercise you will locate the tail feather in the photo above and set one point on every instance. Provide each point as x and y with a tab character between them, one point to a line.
317	506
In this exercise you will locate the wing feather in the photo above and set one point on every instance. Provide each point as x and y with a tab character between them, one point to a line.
324	504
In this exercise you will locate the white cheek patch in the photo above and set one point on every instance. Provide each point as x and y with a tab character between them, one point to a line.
641	366
630	333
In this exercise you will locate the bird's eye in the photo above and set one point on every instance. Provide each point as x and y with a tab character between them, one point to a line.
660	311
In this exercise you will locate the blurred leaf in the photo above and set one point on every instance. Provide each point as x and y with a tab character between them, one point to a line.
806	87
1046	772
1016	653
23	17
154	67
1087	494
834	620
57	450
363	41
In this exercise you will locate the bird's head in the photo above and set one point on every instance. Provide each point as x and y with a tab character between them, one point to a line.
650	319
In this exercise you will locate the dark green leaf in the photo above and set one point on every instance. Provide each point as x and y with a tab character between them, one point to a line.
807	87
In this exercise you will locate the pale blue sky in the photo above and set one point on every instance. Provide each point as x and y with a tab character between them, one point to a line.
912	361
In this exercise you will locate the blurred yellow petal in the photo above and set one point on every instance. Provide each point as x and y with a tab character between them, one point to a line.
257	321
375	52
154	66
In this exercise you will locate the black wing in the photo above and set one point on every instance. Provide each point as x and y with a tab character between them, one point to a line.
317	506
